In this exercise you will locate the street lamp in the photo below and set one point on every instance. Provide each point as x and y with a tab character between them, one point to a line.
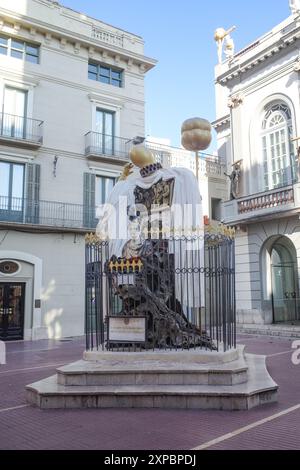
196	136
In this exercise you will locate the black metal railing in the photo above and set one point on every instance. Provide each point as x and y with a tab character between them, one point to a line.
47	213
21	128
183	288
97	144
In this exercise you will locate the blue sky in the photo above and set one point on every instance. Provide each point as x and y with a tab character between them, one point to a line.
179	34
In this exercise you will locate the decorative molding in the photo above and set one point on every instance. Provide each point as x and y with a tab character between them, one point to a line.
17	28
265	80
296	67
63	43
107	100
48	38
239	69
77	47
91	51
63	34
224	121
117	59
235	101
100	171
129	64
18	158
107	36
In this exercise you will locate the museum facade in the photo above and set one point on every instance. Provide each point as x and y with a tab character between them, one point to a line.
257	124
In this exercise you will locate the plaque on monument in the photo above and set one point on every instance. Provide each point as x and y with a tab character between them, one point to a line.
126	329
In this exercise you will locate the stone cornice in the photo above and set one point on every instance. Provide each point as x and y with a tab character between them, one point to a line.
78	40
222	122
76	15
269	78
240	66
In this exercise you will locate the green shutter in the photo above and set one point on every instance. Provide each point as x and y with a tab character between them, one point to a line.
33	177
89	200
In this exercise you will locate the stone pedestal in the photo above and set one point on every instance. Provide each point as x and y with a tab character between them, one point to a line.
195	379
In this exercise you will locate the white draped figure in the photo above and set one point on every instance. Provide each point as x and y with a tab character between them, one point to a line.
182	218
295	7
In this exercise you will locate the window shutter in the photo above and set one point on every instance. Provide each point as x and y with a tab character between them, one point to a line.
33	176
89	201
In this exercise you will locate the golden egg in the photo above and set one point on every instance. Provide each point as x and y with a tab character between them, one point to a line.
141	156
196	134
220	34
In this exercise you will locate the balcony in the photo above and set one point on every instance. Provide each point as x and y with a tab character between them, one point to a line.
267	205
107	148
55	215
20	131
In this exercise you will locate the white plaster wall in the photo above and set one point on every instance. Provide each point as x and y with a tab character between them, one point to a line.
62	291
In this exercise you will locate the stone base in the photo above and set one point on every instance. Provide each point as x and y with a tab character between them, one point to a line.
283	330
158	380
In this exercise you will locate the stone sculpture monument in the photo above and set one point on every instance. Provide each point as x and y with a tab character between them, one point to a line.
152	194
146	265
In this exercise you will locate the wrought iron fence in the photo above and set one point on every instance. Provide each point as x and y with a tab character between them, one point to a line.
177	294
21	128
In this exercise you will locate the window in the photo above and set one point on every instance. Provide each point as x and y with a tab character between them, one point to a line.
11	190
13	122
278	156
105	132
104	186
105	74
19	49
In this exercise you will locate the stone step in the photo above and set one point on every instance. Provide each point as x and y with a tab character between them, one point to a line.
260	389
113	372
282	331
195	356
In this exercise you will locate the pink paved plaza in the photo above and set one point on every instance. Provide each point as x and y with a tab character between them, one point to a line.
25	427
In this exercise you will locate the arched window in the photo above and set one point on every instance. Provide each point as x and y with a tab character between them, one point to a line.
278	154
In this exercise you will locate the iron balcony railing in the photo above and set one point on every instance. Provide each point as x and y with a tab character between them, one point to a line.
21	128
97	144
47	213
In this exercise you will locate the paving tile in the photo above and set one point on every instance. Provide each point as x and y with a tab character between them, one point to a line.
151	429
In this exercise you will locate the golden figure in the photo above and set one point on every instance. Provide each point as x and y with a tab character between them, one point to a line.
220	35
127	171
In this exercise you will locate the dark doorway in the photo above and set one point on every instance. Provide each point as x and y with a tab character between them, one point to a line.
284	282
12	300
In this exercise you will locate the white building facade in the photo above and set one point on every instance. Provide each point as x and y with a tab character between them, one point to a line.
258	120
71	99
